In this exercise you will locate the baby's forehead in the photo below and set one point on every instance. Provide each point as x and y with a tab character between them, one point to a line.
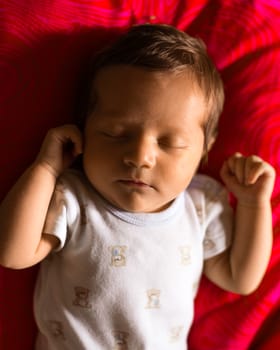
130	79
121	89
129	96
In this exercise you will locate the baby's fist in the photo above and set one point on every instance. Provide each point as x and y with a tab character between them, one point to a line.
60	147
250	179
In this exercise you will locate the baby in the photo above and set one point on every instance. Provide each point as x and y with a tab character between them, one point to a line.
124	241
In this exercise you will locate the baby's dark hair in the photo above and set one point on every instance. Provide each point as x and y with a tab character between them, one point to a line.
165	48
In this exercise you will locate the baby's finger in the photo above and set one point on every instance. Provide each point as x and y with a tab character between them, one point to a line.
76	139
71	137
236	165
255	167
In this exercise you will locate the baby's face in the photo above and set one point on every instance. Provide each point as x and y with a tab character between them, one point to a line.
144	140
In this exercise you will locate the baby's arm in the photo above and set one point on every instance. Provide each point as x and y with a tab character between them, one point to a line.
241	268
23	211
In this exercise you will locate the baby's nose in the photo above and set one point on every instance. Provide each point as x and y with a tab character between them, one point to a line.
142	152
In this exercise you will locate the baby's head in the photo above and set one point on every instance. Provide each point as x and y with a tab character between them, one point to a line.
154	104
166	49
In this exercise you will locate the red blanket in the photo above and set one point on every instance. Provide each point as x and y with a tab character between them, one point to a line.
44	48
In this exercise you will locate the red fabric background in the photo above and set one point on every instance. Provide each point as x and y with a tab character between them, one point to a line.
44	48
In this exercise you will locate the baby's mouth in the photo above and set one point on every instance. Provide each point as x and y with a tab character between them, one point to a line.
136	183
133	182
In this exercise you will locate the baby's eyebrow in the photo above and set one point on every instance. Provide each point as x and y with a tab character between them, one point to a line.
118	118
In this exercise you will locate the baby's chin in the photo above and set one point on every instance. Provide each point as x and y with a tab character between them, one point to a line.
134	200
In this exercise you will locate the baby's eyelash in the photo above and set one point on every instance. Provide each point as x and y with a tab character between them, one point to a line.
164	143
171	144
112	135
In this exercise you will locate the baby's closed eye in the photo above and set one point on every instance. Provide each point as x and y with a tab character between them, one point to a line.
172	142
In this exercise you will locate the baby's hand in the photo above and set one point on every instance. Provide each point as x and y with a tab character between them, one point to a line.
250	179
59	149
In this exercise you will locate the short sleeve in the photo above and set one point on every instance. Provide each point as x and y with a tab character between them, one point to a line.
56	221
218	220
215	214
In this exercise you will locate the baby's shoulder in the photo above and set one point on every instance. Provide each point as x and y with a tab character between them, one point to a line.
73	183
205	183
207	188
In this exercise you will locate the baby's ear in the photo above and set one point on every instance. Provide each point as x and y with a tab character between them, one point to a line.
211	142
78	162
207	148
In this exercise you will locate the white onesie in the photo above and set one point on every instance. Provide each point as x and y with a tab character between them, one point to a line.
121	280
